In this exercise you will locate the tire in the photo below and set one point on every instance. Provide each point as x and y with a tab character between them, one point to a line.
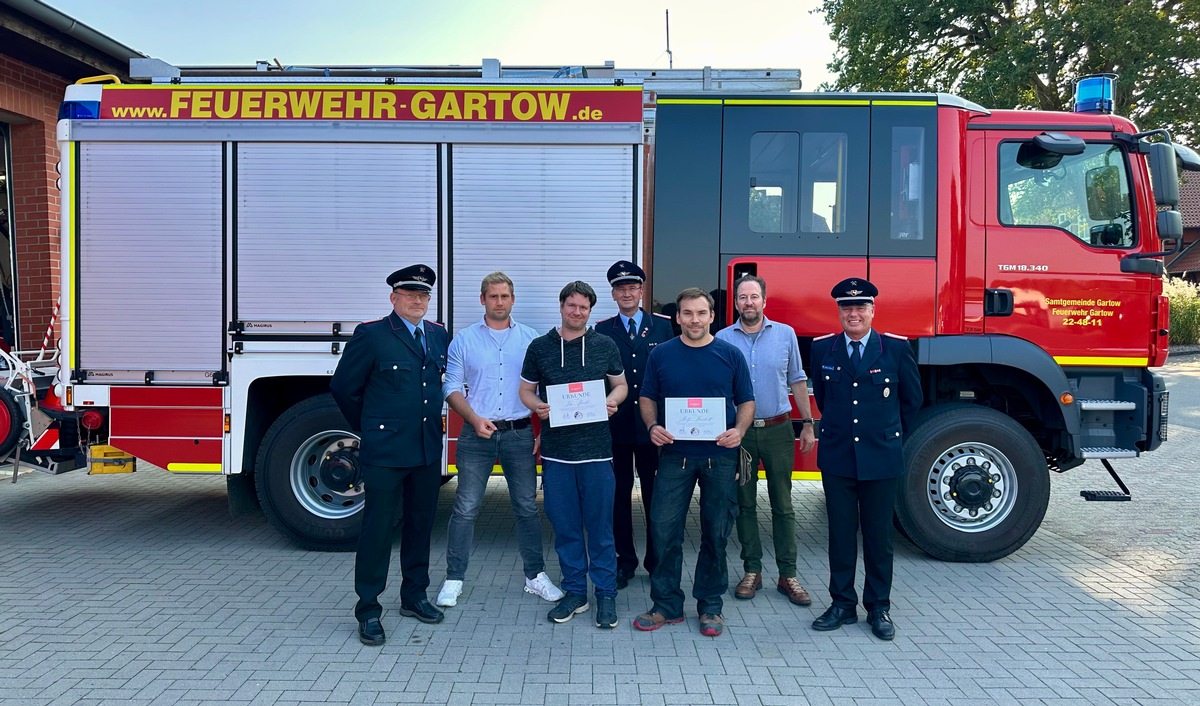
308	479
12	422
976	487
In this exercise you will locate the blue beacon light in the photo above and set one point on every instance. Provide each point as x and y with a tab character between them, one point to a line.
1094	94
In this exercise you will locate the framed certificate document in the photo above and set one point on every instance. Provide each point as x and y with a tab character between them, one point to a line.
695	418
576	403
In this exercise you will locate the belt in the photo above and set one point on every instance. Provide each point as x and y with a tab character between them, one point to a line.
512	424
772	421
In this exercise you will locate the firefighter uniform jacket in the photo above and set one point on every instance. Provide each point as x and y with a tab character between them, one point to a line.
864	415
626	424
391	391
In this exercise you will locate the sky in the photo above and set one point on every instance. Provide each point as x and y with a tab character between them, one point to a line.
724	34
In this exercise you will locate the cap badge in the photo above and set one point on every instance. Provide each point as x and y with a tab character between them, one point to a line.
854	292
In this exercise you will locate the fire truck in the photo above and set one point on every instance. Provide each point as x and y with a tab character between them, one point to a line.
224	231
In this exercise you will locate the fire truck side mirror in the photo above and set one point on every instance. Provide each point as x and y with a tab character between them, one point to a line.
1164	173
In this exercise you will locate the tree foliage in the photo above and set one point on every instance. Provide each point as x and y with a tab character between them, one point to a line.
1026	53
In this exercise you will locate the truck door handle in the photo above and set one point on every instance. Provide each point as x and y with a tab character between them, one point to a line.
998	302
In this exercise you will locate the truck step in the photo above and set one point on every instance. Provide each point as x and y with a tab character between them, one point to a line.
1104	496
1107	452
1101	405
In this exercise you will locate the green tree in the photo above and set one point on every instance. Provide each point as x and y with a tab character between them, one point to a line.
1026	53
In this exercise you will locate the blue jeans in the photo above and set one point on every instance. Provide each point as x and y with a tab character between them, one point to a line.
475	458
579	499
673	487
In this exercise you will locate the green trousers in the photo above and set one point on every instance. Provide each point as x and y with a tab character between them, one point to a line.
775	447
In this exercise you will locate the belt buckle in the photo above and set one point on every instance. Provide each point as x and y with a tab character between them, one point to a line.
759	423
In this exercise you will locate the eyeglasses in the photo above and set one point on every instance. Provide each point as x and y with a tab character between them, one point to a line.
628	289
411	294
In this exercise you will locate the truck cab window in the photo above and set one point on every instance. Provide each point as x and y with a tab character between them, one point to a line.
796	182
1086	195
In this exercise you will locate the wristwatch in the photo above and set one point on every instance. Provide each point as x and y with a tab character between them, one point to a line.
805	421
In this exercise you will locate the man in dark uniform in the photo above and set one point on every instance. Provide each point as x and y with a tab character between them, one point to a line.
636	333
868	390
388	385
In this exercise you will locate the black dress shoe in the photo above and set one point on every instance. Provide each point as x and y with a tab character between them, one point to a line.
370	632
422	610
881	624
623	577
834	618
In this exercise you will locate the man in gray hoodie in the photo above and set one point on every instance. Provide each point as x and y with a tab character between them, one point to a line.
577	474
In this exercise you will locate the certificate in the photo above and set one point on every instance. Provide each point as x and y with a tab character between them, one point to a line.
695	418
577	403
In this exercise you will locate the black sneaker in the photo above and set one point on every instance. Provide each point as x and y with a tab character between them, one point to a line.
568	607
606	612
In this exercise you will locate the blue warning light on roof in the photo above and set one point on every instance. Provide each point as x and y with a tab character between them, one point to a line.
1094	94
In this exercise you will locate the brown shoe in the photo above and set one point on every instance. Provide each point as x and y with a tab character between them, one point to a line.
794	591
750	584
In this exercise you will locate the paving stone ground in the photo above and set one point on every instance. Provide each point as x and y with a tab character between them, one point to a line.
139	589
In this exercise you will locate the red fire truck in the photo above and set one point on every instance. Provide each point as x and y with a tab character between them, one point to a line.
223	232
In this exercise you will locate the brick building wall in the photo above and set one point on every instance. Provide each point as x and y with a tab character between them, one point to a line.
29	101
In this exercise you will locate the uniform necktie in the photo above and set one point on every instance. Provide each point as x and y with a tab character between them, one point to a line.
856	356
632	329
420	339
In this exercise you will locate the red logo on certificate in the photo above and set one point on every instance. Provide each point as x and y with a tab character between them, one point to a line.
695	403
573	387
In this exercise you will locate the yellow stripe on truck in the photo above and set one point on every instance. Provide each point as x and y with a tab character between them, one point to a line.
194	467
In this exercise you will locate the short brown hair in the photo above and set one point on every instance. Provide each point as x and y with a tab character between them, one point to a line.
496	278
578	287
695	293
762	284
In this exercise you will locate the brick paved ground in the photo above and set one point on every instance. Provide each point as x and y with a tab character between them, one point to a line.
132	589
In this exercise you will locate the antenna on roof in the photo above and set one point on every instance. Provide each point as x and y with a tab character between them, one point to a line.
670	56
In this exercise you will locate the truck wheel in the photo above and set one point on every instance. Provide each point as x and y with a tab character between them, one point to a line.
976	486
12	422
308	479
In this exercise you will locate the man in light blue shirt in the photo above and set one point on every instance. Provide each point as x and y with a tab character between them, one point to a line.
483	379
774	358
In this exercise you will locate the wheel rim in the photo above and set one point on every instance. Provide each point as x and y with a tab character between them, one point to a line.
325	476
972	487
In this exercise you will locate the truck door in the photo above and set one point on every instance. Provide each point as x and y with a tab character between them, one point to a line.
794	201
1057	228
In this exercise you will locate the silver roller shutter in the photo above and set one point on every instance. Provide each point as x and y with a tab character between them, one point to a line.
150	261
543	214
320	226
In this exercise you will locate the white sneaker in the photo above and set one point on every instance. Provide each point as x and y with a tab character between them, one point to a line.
448	596
542	587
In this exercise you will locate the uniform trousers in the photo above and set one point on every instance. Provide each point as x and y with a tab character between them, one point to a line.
391	493
625	458
851	505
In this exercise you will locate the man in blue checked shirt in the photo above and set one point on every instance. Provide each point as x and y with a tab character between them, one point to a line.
483	377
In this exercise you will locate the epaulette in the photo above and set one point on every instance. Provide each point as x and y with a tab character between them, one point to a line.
438	323
605	321
662	316
371	321
896	336
822	338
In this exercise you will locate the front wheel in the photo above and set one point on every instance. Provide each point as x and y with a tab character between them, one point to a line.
308	477
976	487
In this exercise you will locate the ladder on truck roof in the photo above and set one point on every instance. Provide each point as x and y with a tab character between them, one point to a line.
674	80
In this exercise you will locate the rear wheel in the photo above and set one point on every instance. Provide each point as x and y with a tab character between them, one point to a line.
977	485
308	477
12	422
